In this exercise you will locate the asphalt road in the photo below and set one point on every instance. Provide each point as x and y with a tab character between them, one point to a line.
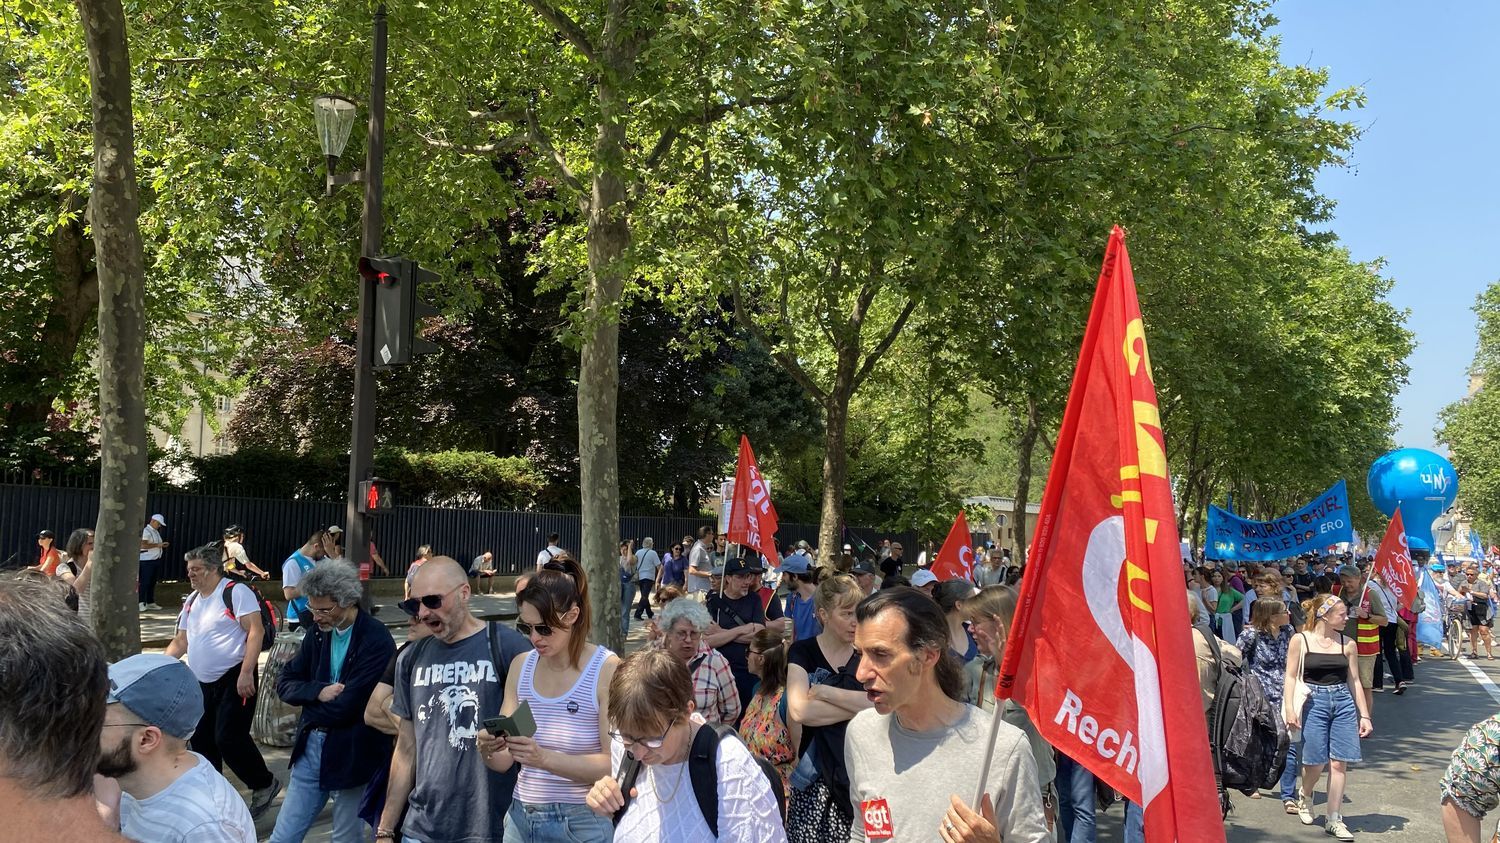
1391	796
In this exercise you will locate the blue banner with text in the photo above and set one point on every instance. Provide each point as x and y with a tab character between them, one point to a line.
1314	527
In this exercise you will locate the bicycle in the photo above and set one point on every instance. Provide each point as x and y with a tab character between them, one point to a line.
1456	634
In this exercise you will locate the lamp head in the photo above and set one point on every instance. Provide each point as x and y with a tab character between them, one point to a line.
334	116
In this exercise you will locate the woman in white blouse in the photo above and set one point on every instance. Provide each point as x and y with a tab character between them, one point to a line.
653	730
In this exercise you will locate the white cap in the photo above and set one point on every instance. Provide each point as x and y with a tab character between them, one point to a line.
922	577
160	519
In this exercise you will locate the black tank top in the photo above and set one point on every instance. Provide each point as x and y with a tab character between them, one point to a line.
1324	668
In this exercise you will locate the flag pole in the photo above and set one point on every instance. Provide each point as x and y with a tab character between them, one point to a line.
989	754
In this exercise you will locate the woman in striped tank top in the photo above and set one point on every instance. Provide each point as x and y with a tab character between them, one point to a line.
565	681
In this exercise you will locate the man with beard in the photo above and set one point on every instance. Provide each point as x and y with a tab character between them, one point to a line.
737	615
167	793
445	685
53	680
331	677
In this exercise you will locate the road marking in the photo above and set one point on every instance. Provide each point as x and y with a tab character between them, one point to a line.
1481	678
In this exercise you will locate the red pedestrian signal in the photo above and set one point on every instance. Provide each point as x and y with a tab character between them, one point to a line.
376	496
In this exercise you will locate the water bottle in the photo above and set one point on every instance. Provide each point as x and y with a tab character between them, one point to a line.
1294	735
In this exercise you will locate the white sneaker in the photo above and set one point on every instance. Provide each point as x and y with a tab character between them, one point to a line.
1304	810
153	607
1337	828
141	608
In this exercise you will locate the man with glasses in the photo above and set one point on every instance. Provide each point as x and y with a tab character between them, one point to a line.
737	615
445	685
161	790
331	677
219	630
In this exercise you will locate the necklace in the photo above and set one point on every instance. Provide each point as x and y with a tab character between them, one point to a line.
677	785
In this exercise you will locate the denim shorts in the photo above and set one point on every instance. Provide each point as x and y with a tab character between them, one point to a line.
1330	726
556	822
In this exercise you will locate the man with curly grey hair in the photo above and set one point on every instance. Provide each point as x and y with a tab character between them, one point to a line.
715	695
331	677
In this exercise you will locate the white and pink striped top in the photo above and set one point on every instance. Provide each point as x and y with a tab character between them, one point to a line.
568	724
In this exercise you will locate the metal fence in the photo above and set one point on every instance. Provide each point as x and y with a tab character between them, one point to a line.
274	528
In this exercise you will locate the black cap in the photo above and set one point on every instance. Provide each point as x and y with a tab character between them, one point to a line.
232	530
743	565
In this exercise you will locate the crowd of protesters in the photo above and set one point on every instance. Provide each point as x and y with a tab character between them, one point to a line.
813	700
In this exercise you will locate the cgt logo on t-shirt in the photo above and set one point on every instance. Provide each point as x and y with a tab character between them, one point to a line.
877	815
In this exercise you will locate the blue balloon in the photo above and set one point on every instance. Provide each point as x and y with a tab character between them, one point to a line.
1422	483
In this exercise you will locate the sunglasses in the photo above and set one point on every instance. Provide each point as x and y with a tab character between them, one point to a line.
431	601
540	629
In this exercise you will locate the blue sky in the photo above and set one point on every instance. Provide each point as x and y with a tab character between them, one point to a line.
1423	191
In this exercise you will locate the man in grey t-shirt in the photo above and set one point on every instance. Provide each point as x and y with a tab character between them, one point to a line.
908	756
701	564
445	686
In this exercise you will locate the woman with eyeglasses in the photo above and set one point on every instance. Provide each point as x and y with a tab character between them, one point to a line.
767	727
565	681
1263	646
652	798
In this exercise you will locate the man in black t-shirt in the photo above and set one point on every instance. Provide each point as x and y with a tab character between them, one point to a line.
891	565
737	615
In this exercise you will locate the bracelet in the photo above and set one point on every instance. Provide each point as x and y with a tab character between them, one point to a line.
1365	717
384	834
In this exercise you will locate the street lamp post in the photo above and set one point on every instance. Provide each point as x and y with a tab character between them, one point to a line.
335	117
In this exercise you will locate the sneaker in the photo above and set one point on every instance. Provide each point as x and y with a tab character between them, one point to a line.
141	608
1304	810
260	800
1290	805
1337	828
153	607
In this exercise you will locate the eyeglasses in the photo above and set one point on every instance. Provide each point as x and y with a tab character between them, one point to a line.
541	629
649	743
686	634
107	725
431	601
757	652
328	610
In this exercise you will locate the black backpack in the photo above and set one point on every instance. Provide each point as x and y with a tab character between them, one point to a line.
268	616
703	772
1248	739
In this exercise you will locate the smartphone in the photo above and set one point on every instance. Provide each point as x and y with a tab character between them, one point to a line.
520	724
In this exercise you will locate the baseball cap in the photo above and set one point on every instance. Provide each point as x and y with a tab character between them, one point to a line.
864	566
1349	571
922	577
160	519
745	565
848	548
794	564
336	529
160	690
803	545
1437	566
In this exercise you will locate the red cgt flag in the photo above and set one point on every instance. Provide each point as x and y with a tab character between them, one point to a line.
956	560
752	518
1393	563
1100	654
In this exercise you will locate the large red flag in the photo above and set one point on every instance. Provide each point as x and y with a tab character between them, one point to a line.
752	518
1393	563
956	560
1100	654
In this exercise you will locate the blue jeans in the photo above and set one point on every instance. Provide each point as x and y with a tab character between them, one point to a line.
1330	725
1076	802
556	822
1289	776
627	597
305	798
1135	823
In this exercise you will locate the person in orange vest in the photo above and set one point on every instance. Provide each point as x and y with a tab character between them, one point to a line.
1369	614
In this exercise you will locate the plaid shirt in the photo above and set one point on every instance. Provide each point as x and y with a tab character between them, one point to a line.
714	693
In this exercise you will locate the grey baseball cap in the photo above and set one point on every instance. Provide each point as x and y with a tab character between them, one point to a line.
160	690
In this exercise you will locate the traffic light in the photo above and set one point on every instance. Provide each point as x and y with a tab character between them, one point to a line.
376	496
398	310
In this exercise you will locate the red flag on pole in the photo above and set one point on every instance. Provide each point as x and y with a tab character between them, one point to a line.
1393	563
956	560
752	518
1100	654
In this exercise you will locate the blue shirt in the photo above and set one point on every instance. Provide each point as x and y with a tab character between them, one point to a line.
804	619
338	648
291	573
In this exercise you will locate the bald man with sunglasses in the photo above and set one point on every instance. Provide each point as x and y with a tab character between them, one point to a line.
445	685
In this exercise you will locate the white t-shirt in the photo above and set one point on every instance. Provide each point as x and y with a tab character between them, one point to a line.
200	807
748	812
234	552
216	641
150	534
545	556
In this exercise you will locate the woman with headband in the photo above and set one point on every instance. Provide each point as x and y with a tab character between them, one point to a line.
1332	715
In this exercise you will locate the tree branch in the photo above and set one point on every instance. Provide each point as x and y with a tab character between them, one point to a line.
885	343
500	145
708	117
567	28
538	137
787	361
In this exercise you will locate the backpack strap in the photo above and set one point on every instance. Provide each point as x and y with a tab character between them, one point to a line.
693	665
703	771
228	598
